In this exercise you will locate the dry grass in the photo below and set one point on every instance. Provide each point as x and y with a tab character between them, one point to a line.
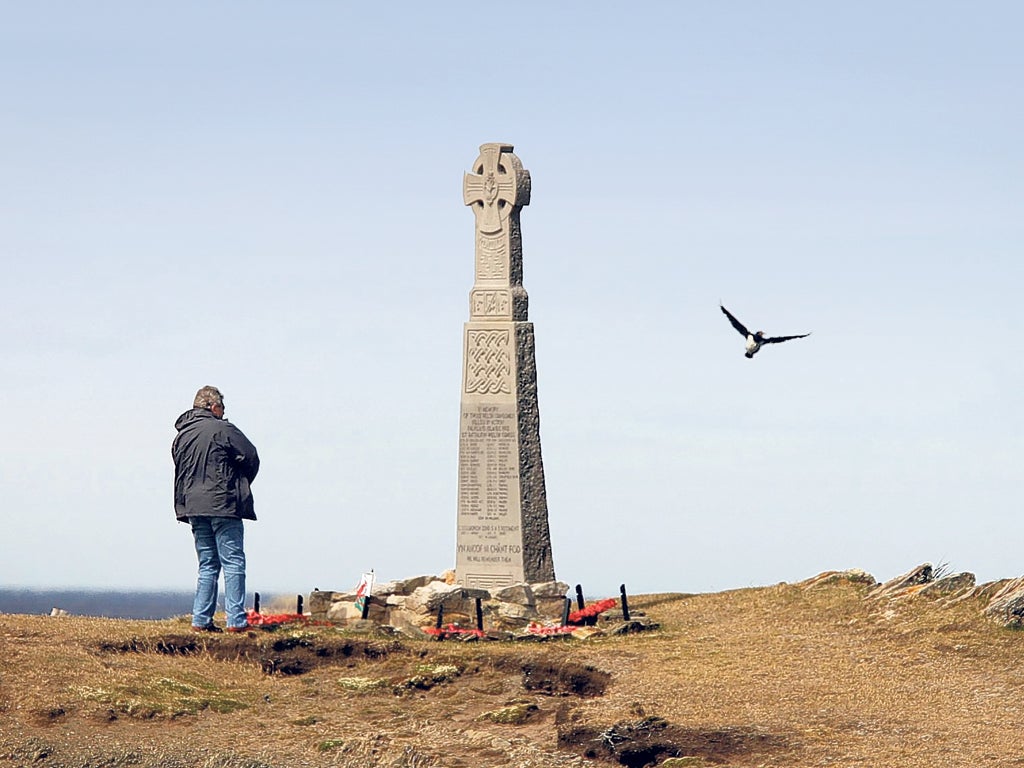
779	676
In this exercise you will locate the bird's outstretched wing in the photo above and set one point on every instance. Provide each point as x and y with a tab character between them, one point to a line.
777	339
735	323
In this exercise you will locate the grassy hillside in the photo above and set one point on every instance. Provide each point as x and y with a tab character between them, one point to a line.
777	676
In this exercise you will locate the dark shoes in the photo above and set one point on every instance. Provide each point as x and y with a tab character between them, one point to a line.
211	627
208	628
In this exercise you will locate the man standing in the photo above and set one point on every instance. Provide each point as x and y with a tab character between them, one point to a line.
214	463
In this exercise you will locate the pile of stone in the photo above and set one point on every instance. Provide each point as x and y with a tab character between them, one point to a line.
412	605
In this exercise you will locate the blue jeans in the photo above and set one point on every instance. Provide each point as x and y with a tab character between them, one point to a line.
219	544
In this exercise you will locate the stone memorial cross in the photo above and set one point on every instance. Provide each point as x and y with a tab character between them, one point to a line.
503	536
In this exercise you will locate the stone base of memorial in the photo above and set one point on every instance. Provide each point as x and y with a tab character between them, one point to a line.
412	605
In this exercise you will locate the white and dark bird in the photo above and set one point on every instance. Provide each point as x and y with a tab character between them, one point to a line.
756	340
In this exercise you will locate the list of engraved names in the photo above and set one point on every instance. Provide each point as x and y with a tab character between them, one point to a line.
489	515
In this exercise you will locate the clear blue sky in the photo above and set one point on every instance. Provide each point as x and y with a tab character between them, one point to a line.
267	197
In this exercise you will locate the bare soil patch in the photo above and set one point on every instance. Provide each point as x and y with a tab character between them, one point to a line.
650	740
285	654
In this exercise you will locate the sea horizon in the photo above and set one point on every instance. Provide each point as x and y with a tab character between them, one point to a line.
110	602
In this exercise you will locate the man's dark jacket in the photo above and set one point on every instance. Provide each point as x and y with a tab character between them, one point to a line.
213	466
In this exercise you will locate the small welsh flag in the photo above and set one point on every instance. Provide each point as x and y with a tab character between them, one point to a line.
363	591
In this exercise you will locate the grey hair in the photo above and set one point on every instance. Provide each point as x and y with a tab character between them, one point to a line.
207	397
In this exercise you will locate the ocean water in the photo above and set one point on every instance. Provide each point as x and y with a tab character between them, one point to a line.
113	604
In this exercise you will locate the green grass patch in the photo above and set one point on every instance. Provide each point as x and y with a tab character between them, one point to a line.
163	697
514	714
429	675
363	684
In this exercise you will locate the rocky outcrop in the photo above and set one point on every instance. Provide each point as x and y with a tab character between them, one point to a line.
851	576
923	581
1002	601
908	583
949	586
1007	603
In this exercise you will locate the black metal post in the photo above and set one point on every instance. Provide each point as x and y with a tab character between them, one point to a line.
256	602
366	607
579	597
298	604
479	614
565	610
440	616
625	602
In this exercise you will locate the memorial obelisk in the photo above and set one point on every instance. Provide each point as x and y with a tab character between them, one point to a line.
503	536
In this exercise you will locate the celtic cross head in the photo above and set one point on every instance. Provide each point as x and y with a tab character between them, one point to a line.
497	186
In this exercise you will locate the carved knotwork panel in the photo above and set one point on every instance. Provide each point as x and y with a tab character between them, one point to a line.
489	362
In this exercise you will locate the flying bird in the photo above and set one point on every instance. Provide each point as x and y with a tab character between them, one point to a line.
756	340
